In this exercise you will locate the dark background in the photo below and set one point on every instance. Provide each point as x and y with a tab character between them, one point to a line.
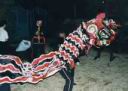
21	15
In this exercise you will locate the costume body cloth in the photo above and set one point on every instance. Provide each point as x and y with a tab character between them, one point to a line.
47	64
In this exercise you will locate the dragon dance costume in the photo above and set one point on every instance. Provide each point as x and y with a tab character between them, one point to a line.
83	38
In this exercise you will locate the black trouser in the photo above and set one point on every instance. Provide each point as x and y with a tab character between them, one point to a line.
3	47
5	87
111	52
68	75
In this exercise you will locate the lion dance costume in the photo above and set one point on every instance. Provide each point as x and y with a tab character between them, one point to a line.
88	34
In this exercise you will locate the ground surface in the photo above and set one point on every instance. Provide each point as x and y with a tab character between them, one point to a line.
91	75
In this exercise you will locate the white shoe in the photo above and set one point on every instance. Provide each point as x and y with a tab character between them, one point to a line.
77	63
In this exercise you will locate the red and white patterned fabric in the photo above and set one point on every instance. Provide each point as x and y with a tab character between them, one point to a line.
49	64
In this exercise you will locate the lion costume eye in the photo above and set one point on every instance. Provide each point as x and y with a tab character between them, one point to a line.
92	28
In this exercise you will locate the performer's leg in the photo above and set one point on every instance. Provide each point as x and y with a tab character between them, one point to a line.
111	51
98	50
77	61
1	48
5	87
68	75
98	54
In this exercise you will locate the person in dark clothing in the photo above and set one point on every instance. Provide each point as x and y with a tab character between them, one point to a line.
3	37
38	40
3	47
67	74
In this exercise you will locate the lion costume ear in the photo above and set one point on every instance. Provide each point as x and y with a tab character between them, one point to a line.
84	25
100	16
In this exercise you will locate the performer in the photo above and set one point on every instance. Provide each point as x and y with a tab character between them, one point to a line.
38	40
104	38
83	38
3	39
67	74
97	38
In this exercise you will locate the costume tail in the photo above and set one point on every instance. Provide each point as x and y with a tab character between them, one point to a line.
13	70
